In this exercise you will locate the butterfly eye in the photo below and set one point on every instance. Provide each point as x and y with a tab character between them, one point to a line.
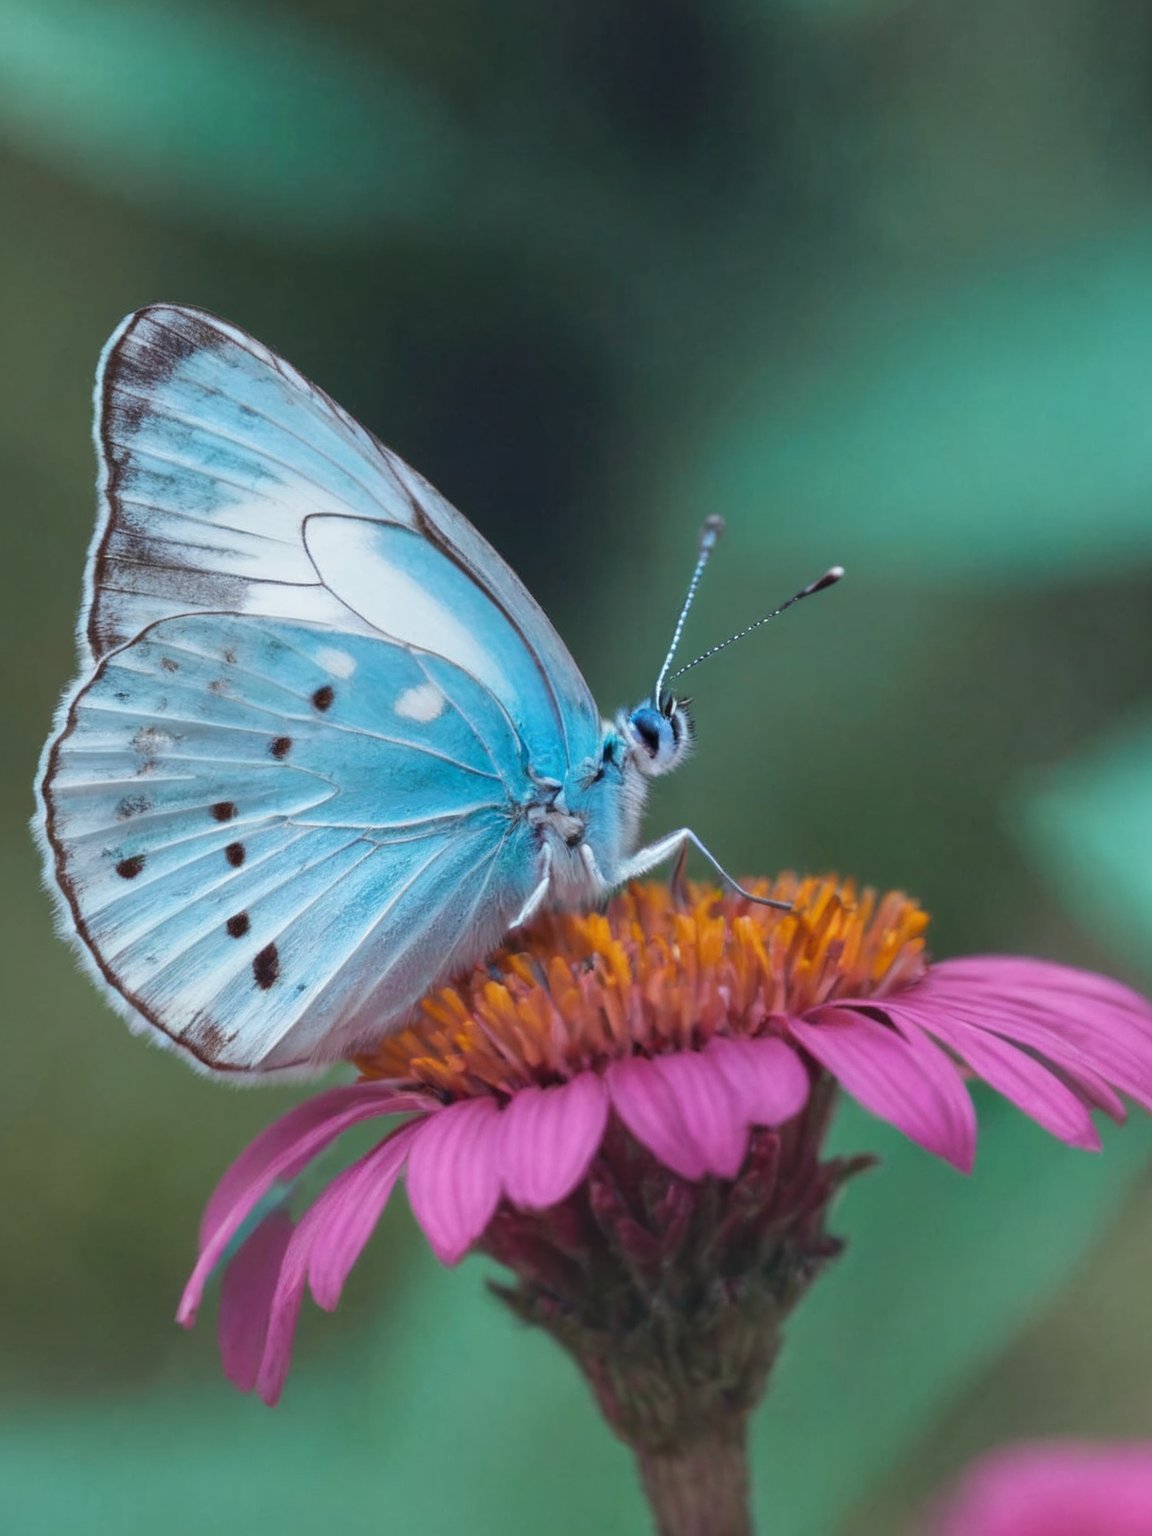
647	725
658	740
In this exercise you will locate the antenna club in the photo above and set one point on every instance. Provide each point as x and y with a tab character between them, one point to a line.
829	579
710	530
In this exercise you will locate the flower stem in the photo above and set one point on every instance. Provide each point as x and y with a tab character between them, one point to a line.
671	1295
701	1489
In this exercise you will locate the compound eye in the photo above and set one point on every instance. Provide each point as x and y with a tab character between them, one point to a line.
646	723
657	740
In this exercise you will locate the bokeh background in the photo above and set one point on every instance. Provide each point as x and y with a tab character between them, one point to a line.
871	278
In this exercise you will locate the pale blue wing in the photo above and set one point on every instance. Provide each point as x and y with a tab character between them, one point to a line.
217	454
273	841
399	583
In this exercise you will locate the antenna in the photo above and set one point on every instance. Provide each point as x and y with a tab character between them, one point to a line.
710	533
829	579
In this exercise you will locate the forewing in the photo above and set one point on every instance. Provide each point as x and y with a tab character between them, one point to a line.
216	453
272	842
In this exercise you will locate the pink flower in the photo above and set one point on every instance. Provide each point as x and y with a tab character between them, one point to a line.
665	1035
1064	1488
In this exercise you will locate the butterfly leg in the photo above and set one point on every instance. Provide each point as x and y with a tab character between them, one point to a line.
678	879
646	859
594	872
539	894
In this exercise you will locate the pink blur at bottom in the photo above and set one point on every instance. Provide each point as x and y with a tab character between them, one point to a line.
1061	1488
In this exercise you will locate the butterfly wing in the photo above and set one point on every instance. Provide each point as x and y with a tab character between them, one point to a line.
272	846
219	458
262	904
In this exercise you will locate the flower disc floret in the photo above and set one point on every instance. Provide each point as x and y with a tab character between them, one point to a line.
655	974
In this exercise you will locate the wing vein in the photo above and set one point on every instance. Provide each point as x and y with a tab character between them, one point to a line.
198	424
144	450
205	522
351	1009
206	928
248	868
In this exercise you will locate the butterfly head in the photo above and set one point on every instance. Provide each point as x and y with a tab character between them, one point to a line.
658	734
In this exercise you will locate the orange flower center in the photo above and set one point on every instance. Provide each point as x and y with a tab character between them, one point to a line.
653	973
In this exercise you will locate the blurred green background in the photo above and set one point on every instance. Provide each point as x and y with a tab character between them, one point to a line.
872	280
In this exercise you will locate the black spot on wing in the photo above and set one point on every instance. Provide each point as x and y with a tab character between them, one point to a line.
322	698
224	810
169	665
281	746
129	868
238	925
266	967
235	854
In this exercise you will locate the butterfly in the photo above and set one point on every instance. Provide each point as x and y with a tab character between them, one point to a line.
325	750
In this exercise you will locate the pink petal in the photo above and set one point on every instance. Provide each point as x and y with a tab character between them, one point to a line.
998	973
1059	1489
1068	1031
282	1152
548	1137
1049	989
1092	1089
1068	1042
1019	1077
902	1077
647	1102
350	1215
324	1247
1092	1035
1042	982
297	1126
453	1175
686	1109
771	1079
246	1298
276	1355
711	1107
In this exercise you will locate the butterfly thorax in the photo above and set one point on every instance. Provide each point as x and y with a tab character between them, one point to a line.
591	823
548	812
586	825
